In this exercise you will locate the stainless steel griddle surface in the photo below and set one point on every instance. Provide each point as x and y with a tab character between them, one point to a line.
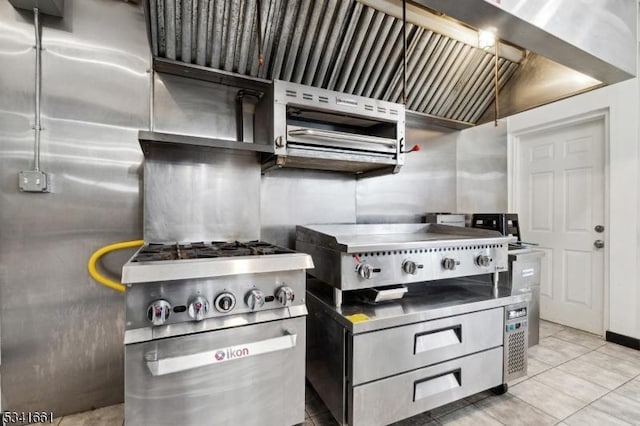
372	237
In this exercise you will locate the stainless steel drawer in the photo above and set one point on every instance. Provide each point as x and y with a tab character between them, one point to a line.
395	398
383	353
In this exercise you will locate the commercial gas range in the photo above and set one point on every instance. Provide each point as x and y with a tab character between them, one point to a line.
215	334
393	330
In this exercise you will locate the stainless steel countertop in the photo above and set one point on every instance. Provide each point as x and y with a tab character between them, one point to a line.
424	301
357	238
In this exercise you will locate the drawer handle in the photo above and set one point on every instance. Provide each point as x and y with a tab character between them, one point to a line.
436	384
437	339
161	367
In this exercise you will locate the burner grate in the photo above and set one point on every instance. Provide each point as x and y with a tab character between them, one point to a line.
206	250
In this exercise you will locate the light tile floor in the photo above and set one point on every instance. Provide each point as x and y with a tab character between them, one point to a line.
575	378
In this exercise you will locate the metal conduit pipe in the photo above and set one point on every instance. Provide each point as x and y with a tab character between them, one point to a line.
37	127
34	180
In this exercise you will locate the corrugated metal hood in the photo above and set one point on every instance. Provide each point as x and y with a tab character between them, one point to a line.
357	48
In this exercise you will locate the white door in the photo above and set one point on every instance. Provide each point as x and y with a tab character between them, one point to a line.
559	195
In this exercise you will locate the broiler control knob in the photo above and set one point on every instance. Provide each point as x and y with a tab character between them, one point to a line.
255	299
285	295
158	312
198	307
365	271
483	260
449	263
225	302
411	267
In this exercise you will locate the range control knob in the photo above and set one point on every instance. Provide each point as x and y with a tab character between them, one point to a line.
365	271
285	295
158	312
411	267
225	302
198	307
449	263
255	299
483	260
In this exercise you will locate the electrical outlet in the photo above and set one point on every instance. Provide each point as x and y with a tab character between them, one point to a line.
32	181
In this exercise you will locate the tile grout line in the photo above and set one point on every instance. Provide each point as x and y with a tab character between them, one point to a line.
552	367
609	391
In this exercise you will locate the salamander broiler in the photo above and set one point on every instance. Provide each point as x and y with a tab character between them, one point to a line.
392	332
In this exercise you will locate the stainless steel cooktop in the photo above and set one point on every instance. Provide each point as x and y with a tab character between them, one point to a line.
179	261
205	250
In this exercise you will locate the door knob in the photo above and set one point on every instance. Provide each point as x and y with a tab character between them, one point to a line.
598	243
599	228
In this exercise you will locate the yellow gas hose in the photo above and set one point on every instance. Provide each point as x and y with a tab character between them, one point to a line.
101	252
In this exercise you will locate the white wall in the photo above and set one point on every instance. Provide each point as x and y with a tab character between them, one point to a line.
621	103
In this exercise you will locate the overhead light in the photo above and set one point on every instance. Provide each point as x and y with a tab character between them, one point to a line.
486	38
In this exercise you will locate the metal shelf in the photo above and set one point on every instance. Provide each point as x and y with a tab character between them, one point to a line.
198	72
150	141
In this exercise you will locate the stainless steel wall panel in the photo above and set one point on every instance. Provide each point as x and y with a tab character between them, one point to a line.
62	333
427	183
194	107
482	168
291	197
201	196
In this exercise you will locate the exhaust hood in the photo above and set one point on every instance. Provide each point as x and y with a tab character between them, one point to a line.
548	51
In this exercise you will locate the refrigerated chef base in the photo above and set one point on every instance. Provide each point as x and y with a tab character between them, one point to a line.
378	364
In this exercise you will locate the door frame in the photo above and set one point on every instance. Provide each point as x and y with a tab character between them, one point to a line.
514	147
